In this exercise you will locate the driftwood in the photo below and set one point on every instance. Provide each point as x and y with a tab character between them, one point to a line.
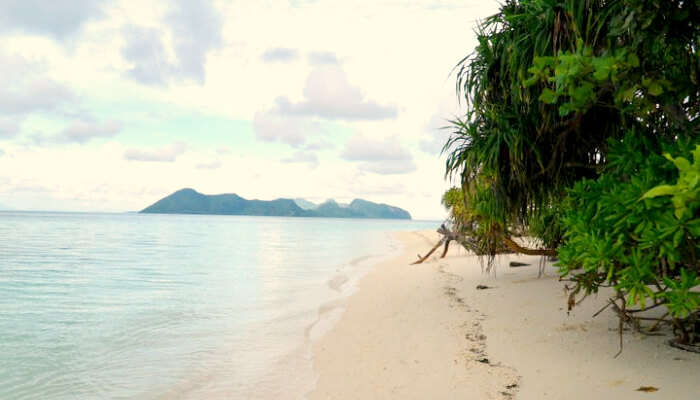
421	259
511	244
515	264
448	236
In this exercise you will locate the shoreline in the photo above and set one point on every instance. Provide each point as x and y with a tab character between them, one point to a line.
425	331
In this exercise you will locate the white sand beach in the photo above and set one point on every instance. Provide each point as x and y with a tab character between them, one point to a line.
425	332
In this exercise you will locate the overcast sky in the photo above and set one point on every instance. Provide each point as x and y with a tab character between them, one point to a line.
111	105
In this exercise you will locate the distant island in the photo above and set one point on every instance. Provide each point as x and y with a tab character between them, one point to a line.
189	201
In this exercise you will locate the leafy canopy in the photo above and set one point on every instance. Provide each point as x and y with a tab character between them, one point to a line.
581	129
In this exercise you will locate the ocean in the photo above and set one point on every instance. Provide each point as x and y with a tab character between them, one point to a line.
147	306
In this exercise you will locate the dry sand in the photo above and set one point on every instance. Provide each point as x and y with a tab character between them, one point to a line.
425	332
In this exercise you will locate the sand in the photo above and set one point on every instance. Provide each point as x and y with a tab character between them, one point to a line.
425	332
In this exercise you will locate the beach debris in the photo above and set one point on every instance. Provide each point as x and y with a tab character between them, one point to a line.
571	302
647	389
514	264
483	360
483	287
447	237
695	348
512	386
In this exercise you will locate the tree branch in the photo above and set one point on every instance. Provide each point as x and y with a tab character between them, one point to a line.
511	244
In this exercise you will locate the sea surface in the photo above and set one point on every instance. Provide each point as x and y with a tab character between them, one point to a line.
145	306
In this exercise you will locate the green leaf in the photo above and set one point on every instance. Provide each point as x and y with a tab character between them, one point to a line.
628	94
655	88
548	96
633	60
681	163
661	190
602	66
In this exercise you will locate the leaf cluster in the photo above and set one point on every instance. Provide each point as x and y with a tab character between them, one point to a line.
623	231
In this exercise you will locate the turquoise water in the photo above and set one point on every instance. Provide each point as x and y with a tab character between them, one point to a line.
124	306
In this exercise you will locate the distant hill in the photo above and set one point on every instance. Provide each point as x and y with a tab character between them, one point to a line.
189	201
305	204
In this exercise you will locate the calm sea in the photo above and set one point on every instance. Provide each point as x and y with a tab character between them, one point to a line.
135	306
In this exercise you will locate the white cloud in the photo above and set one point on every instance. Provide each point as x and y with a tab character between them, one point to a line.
381	156
329	95
362	148
209	165
8	128
270	126
436	132
320	144
41	95
83	131
195	28
161	154
58	19
146	52
302	157
389	167
322	58
280	54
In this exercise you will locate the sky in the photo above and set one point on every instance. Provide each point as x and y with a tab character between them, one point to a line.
110	105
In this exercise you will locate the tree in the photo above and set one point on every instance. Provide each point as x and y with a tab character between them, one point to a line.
581	130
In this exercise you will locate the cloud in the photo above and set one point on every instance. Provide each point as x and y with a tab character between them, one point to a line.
145	50
21	98
270	126
8	128
84	131
195	28
280	54
361	148
58	19
302	157
322	58
389	167
24	89
384	157
329	95
210	165
162	154
320	144
436	134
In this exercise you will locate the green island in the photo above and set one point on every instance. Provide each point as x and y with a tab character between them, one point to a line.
189	201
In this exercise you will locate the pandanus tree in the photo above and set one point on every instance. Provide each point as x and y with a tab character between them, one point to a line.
582	131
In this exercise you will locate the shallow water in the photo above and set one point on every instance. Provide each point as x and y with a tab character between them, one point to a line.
123	306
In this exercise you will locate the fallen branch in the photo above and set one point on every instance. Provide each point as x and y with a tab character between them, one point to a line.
511	244
421	259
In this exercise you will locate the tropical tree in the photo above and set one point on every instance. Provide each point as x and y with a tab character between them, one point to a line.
581	129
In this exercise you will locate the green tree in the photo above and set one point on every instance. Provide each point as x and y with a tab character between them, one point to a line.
571	105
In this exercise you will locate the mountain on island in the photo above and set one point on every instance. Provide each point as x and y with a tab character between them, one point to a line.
189	201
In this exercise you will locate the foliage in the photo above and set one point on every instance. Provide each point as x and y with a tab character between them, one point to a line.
453	200
475	222
684	193
570	106
624	232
